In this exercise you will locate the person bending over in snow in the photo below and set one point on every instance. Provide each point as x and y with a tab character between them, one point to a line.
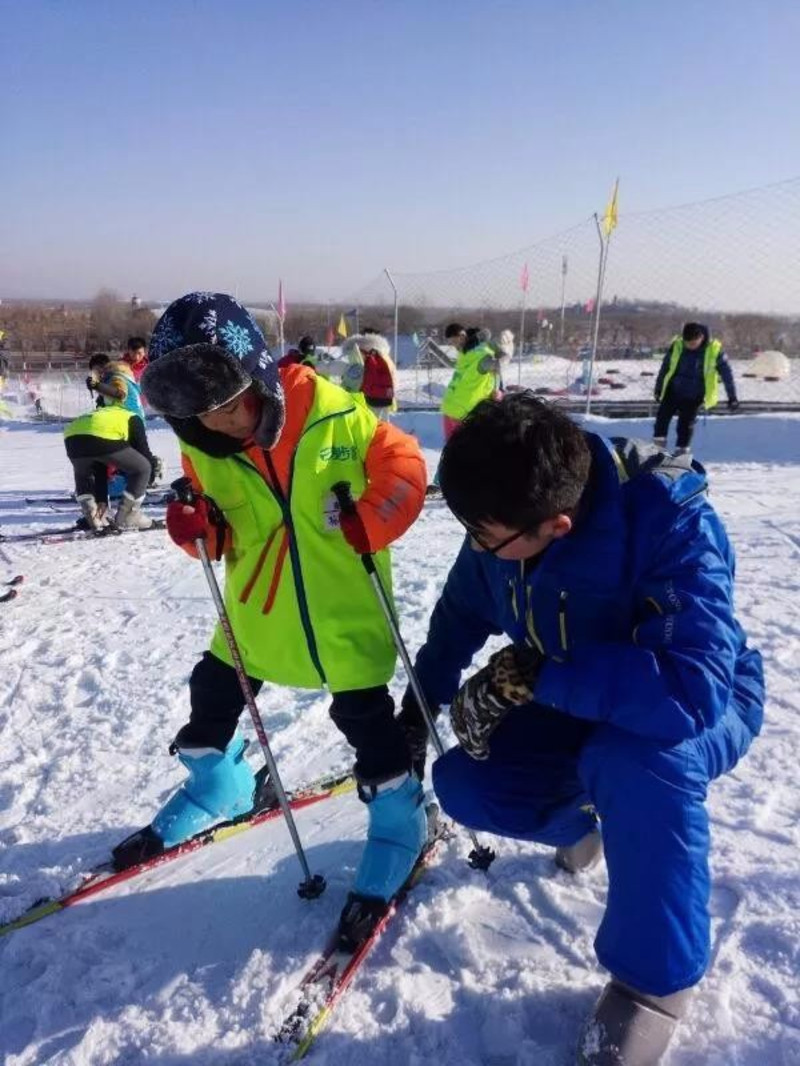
267	445
627	688
113	436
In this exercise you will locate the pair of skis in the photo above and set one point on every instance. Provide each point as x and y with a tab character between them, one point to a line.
151	499
329	976
68	533
103	877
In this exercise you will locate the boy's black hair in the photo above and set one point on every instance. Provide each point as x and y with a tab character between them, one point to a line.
133	343
693	330
516	461
476	336
455	329
98	359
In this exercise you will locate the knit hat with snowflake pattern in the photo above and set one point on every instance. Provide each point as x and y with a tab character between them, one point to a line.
205	350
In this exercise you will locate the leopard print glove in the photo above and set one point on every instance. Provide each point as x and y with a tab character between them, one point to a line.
485	699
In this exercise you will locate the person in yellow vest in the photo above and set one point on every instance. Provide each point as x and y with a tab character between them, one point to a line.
109	436
267	444
476	376
688	380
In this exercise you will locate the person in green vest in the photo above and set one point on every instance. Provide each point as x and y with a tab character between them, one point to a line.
267	445
688	380
109	436
476	376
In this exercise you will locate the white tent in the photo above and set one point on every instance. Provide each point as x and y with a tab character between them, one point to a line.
771	364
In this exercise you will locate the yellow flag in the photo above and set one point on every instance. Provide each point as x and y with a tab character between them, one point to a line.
341	329
610	218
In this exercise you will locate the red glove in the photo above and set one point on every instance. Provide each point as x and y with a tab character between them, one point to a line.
354	532
186	524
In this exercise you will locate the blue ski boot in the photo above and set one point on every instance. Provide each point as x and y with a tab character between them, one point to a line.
220	788
398	829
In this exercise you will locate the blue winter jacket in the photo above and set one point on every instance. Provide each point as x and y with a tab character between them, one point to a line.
633	609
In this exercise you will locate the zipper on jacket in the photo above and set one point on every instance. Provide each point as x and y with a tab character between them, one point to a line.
562	618
530	624
302	602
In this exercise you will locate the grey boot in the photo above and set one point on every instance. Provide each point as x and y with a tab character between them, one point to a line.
90	512
581	856
660	442
629	1028
129	514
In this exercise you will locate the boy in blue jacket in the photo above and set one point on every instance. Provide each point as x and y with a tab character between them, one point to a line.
627	688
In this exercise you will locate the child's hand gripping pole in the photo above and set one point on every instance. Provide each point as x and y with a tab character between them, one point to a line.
314	884
482	856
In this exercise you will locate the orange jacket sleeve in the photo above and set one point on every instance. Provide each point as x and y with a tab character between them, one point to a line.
197	485
397	479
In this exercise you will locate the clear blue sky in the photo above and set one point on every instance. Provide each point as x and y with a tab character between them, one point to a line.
161	146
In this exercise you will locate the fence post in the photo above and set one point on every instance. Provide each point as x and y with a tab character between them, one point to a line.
601	273
396	318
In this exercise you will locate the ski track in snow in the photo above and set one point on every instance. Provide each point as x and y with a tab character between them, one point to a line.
197	963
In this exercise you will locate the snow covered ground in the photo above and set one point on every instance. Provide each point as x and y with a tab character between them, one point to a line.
197	962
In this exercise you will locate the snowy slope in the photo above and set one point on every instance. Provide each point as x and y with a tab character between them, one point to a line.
197	963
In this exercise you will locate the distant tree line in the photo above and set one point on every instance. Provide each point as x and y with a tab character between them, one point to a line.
627	327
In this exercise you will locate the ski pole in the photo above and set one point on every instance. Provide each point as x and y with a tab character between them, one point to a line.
314	884
482	856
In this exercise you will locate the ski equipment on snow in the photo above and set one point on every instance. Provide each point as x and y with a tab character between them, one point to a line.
12	588
151	499
331	974
103	877
482	856
314	884
74	532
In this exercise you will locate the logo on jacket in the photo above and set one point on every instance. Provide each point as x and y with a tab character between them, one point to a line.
338	452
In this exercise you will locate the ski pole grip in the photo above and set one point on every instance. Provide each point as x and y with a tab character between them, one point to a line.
184	490
344	497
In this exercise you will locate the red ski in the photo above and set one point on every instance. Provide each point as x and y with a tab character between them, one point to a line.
105	877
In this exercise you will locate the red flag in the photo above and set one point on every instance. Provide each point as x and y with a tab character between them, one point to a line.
540	315
525	278
281	308
329	337
589	305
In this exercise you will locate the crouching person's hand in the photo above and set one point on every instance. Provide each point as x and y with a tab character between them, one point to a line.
482	702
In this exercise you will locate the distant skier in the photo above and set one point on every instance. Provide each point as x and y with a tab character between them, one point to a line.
627	689
477	375
371	371
109	436
267	445
305	354
135	355
688	380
